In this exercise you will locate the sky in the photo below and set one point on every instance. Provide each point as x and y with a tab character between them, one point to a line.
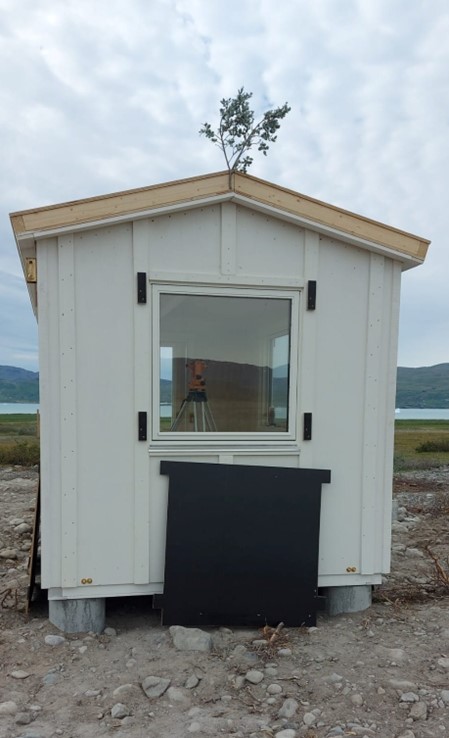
104	96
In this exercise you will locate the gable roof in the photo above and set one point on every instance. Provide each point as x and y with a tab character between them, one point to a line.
30	225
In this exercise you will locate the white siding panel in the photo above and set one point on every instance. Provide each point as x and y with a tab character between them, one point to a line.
105	303
267	247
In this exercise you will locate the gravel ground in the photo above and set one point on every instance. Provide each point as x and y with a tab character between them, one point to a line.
383	672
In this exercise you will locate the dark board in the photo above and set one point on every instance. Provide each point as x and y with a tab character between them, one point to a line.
242	544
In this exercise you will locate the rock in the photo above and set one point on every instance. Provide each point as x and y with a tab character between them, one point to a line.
444	663
288	733
414	553
194	727
24	718
418	711
124	689
274	689
110	632
119	711
284	651
254	676
333	678
154	686
409	697
54	640
397	655
95	692
19	674
401	684
50	679
190	639
309	718
8	708
289	708
357	699
192	682
445	696
407	734
23	528
175	694
8	553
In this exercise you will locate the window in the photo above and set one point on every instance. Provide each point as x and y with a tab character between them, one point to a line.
224	361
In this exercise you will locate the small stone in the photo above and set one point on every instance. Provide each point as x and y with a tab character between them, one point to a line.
357	699
82	649
19	674
176	694
110	632
271	671
407	734
285	651
409	697
92	693
190	639
444	663
288	733
154	686
54	640
260	642
125	689
194	727
445	696
274	689
24	718
289	708
50	679
333	678
119	711
8	553
8	708
401	684
418	711
254	676
192	682
23	528
309	718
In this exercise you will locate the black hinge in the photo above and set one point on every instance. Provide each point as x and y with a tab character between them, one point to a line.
142	426
307	436
141	288
311	294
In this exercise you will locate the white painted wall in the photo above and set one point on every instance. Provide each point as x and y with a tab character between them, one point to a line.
104	501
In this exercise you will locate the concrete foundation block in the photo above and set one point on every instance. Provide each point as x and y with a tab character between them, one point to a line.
348	599
78	616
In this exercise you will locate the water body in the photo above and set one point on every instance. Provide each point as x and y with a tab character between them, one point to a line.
422	413
11	408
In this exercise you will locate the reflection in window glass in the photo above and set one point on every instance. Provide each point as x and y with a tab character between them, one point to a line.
224	363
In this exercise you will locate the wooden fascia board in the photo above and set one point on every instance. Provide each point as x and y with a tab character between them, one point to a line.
340	220
120	203
190	192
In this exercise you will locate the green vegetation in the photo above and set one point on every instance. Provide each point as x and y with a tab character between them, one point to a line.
19	443
421	444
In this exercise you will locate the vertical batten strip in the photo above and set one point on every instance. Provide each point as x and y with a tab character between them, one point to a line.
371	418
308	326
142	403
228	261
68	399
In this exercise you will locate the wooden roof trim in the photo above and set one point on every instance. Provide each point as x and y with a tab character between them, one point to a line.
130	202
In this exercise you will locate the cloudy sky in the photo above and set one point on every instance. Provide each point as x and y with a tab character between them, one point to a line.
106	95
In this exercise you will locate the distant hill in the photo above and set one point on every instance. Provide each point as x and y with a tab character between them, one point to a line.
424	386
18	385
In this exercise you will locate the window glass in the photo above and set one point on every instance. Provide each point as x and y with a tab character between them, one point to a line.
224	363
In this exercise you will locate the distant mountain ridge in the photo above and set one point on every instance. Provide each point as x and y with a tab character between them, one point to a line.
423	387
18	385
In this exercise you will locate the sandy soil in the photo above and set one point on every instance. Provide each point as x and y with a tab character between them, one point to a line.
383	672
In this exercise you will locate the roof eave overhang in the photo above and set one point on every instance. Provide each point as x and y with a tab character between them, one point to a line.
27	239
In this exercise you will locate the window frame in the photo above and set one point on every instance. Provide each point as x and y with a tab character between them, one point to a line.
208	438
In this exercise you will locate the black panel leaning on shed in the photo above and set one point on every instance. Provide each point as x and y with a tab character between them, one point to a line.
242	545
311	294
142	426
141	288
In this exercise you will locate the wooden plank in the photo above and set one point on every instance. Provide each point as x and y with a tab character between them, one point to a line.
331	216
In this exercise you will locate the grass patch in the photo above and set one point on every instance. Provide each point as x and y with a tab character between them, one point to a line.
412	435
19	443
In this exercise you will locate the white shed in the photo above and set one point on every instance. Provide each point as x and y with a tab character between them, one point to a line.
279	313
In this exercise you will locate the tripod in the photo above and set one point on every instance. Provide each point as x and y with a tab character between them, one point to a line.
196	400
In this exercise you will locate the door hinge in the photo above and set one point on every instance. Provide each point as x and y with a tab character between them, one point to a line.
142	426
307	435
311	294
